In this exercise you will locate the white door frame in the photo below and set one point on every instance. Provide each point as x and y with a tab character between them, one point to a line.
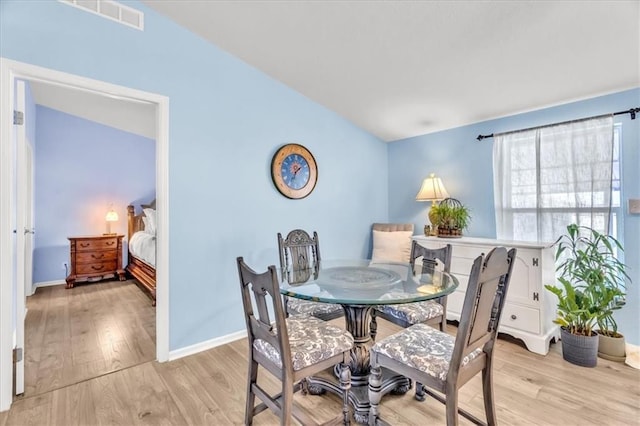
22	193
10	71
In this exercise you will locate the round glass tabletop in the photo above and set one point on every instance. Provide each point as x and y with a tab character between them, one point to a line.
365	282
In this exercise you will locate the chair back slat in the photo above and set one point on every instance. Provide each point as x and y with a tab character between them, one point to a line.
262	290
298	251
484	299
430	257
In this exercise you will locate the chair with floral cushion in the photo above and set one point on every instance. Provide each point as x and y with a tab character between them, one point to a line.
289	348
300	258
430	312
443	362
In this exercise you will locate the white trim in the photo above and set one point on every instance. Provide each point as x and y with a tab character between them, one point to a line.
48	283
9	71
206	345
7	169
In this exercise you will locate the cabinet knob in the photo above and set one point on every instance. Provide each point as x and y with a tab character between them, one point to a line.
513	317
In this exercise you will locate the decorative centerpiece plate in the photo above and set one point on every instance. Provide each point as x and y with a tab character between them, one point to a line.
357	278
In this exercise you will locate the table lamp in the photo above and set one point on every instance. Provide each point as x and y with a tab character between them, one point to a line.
111	216
432	190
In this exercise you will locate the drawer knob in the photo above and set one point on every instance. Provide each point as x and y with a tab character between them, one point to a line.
96	267
97	256
513	317
85	244
110	243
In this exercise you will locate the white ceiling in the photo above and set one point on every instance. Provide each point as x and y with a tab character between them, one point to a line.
404	68
130	115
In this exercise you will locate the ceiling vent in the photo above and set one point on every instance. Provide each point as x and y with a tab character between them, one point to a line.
111	10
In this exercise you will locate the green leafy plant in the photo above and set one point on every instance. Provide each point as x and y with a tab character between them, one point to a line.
592	278
450	216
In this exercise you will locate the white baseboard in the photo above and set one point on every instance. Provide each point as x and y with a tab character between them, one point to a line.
206	345
48	283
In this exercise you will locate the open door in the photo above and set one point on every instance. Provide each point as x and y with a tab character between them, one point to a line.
24	232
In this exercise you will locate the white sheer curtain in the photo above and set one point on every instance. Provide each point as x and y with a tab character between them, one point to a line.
549	177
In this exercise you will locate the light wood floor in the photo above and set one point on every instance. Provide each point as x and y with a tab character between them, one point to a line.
209	389
93	329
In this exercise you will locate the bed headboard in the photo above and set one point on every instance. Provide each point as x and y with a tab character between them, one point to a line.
134	220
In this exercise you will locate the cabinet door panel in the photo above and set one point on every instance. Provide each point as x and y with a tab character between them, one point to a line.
454	303
525	279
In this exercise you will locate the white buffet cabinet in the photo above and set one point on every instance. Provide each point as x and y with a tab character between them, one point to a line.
530	308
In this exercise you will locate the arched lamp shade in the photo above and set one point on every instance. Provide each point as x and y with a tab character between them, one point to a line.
432	189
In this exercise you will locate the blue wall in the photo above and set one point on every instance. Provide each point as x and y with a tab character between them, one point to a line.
465	166
227	119
83	167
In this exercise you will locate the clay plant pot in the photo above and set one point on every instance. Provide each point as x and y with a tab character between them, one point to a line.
579	350
611	348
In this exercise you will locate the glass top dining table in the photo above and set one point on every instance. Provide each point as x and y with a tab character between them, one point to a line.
359	286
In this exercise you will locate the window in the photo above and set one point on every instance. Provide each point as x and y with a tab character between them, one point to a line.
549	177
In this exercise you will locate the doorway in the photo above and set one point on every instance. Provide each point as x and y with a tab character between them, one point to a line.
12	306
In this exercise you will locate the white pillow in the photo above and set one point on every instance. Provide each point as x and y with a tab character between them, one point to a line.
150	224
393	246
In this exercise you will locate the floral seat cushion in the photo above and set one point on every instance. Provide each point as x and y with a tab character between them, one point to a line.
311	339
307	307
414	313
423	348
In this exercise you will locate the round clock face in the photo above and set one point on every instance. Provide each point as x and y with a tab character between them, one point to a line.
294	171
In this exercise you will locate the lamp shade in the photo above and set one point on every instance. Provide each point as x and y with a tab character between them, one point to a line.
111	216
432	189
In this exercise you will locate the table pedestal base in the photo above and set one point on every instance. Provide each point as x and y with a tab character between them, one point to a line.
359	393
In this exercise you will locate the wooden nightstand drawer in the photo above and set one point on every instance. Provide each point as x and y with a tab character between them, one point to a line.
96	244
96	267
96	256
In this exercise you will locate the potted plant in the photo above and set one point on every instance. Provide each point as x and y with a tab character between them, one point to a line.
450	217
592	280
611	344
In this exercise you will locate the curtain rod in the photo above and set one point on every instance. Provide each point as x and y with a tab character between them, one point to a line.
632	111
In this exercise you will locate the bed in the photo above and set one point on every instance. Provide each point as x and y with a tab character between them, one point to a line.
142	247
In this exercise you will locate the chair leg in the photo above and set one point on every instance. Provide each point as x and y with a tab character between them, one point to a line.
375	388
452	406
420	394
251	396
345	385
487	394
286	406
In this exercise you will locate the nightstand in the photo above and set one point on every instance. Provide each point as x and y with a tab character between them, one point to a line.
94	258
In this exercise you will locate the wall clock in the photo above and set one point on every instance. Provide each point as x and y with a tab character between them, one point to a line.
294	171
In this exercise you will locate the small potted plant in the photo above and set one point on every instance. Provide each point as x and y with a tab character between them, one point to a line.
450	217
611	344
592	280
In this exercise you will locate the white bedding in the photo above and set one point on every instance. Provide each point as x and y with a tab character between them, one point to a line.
143	246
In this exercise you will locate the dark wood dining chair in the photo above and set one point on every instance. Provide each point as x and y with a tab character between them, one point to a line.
443	362
300	257
430	312
289	348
